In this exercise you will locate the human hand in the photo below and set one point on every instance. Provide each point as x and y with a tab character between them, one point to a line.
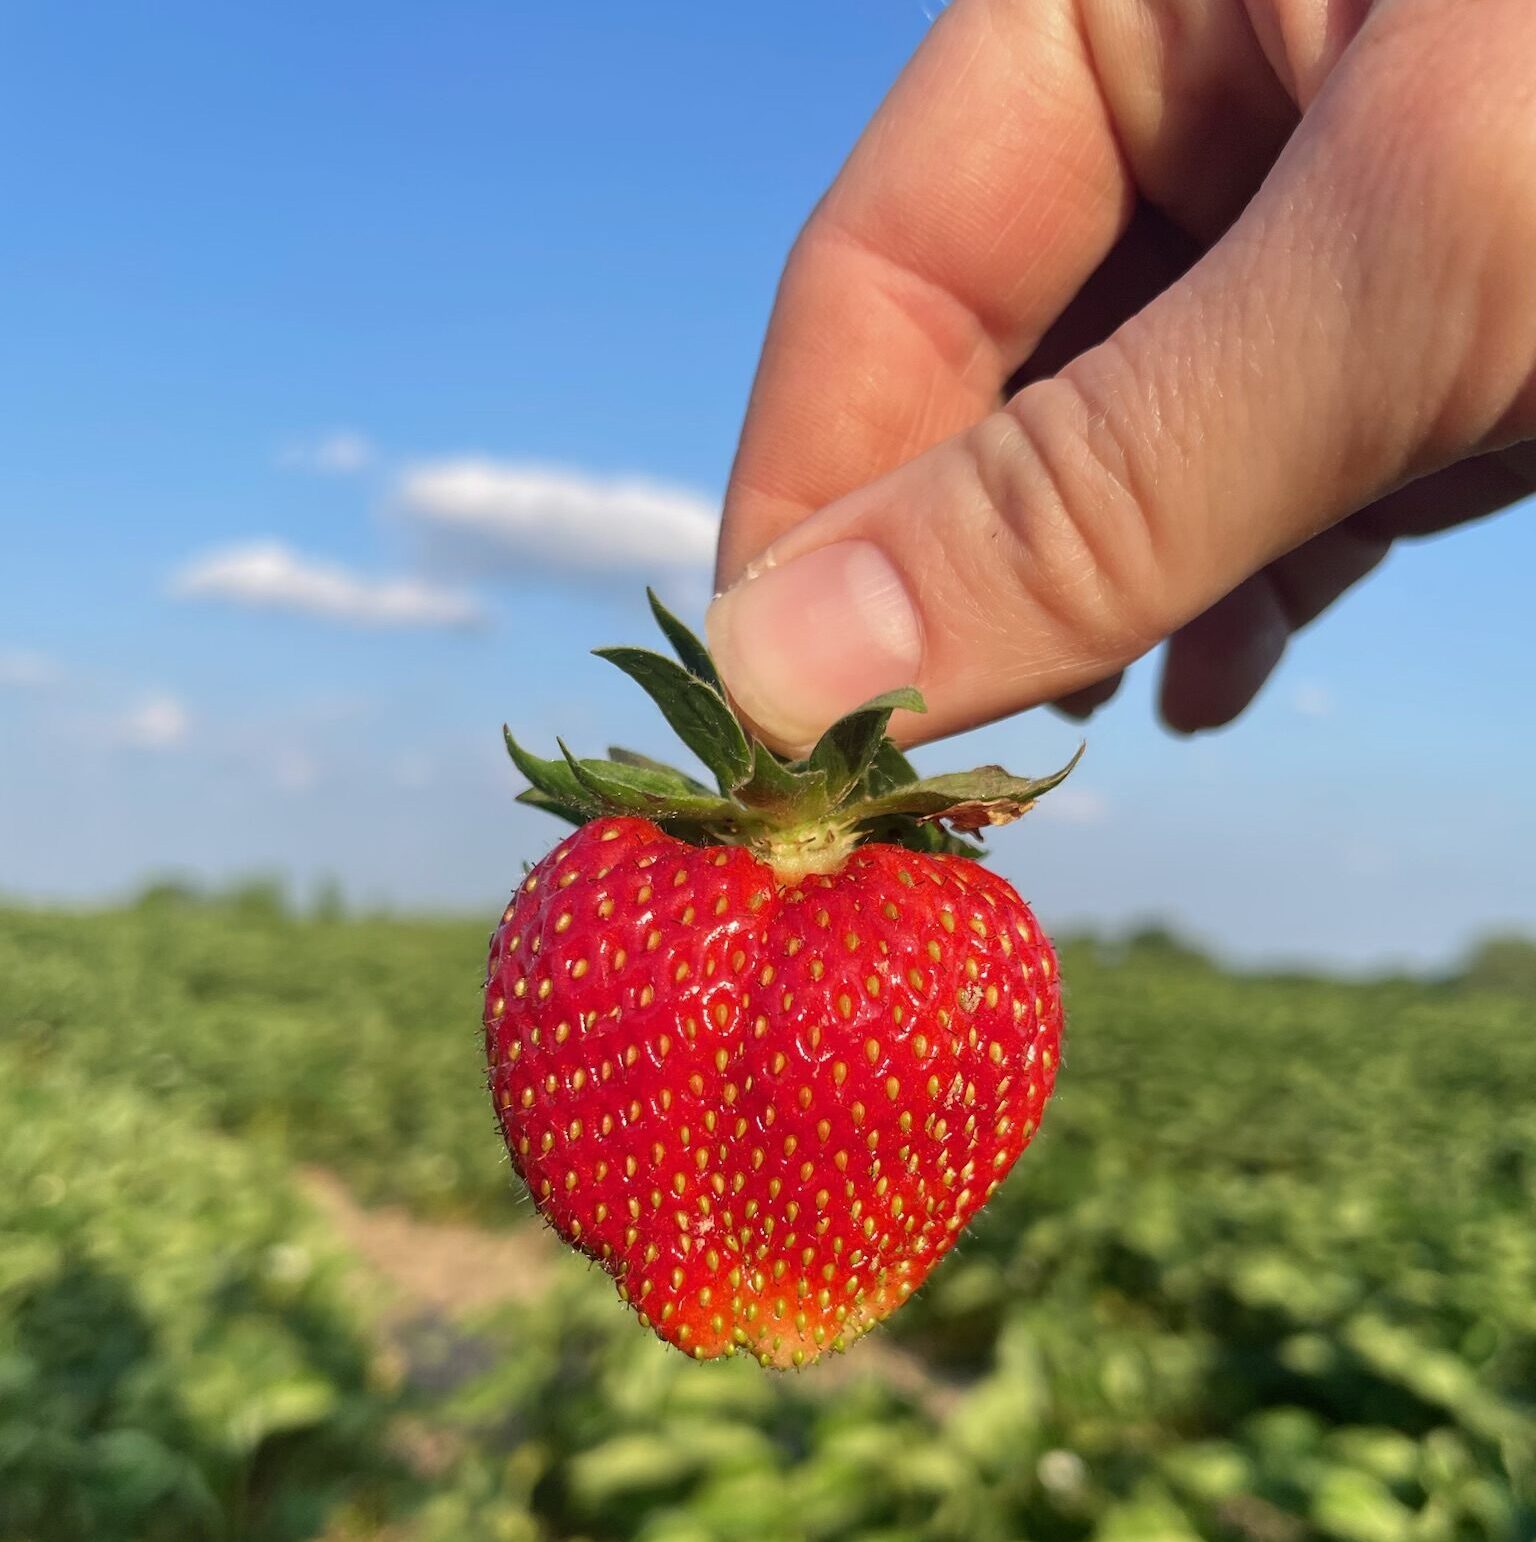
1208	453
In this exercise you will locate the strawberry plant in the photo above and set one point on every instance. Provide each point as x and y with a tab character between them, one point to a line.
1269	1271
177	1358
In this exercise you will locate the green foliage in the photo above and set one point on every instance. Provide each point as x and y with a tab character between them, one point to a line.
1268	1274
354	1044
177	1360
1506	963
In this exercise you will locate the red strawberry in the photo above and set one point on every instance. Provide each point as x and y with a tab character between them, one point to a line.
766	1084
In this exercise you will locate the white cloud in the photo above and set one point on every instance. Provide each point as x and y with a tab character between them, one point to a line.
266	575
1072	806
1312	701
514	515
158	723
338	454
23	669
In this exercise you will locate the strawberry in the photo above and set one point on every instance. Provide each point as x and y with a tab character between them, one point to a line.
764	1053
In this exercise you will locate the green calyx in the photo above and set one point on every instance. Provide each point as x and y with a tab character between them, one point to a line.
801	816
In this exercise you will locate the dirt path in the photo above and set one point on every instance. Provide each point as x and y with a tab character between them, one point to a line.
436	1266
437	1273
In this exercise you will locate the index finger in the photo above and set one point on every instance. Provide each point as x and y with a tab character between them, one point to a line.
980	197
993	181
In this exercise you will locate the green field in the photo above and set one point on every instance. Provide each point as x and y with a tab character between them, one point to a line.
1268	1275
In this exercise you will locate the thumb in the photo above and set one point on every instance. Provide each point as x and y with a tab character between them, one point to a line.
1368	318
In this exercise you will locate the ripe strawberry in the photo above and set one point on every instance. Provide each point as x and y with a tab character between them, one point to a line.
760	1066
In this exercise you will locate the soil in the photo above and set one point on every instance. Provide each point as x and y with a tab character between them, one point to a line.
435	1266
437	1273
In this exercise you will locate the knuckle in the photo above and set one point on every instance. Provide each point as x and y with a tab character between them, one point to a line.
1063	482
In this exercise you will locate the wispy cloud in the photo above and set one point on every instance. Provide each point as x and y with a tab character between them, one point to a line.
514	515
22	669
1312	701
158	723
1072	806
266	575
293	770
339	454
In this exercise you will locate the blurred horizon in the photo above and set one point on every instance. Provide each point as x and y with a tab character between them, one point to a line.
1503	959
362	367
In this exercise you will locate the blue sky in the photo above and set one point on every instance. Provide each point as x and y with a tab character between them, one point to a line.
311	315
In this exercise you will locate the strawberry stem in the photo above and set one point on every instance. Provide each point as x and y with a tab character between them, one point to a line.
801	817
797	854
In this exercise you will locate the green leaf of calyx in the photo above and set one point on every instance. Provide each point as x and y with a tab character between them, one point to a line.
635	790
698	714
845	752
778	789
689	649
553	778
967	800
683	782
889	769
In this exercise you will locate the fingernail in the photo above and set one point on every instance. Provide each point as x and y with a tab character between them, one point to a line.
801	644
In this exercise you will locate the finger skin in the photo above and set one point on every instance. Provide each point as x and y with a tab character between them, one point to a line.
1079	706
994	180
1211	673
1216	664
1293	376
